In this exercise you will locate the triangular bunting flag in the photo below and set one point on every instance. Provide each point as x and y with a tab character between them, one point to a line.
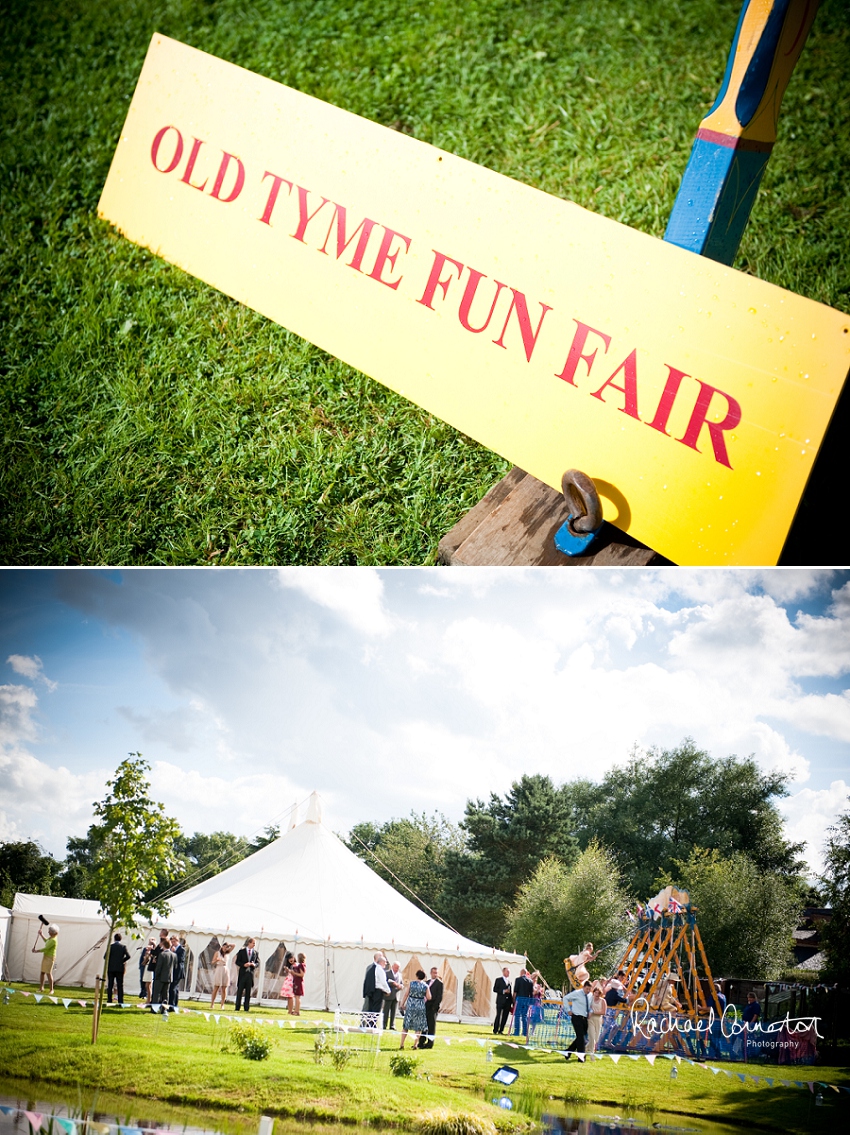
811	1087
581	1056
634	1057
785	1083
769	1081
38	996
650	1058
22	991
66	1001
615	1056
756	1079
67	1125
79	1002
206	1016
217	1017
34	1119
6	1110
725	1073
833	1087
55	1000
714	1070
741	1077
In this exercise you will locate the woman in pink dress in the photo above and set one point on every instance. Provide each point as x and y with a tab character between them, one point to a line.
299	968
287	991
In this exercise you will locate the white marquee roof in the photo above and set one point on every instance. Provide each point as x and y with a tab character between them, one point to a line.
308	886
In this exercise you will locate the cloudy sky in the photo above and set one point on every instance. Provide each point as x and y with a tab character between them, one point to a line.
406	689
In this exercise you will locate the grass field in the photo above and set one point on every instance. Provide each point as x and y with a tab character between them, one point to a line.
181	1062
148	419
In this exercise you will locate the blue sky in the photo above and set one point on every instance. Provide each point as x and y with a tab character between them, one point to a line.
407	689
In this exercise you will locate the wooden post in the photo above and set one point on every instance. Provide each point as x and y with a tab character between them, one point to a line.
95	1020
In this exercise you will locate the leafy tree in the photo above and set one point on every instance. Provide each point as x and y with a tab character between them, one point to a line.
836	885
560	908
269	836
507	839
198	857
660	806
26	868
410	855
745	914
132	850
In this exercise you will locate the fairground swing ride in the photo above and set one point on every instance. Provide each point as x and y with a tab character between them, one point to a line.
669	982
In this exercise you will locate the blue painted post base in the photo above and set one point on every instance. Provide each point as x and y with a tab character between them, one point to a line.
574	543
716	195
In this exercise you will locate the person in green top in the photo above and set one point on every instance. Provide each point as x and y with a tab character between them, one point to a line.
48	952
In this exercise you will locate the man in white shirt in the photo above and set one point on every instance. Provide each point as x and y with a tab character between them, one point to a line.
375	984
578	1005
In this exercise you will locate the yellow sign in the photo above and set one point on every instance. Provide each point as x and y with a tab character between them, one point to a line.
695	396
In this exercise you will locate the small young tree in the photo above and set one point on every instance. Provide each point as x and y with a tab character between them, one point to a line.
132	848
560	908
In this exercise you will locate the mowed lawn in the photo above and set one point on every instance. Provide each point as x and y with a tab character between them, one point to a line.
148	419
181	1062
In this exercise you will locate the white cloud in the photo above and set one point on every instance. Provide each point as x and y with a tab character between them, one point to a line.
355	594
30	667
809	814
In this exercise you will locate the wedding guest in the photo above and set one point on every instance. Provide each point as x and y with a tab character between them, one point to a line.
117	957
596	1015
48	953
221	972
413	1007
146	968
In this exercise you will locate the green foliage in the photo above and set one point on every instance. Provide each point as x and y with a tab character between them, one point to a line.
661	805
410	853
402	1065
26	868
560	908
150	419
133	846
321	1048
507	839
341	1058
836	883
445	1122
745	914
248	1040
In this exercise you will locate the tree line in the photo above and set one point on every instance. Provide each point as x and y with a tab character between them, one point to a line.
545	867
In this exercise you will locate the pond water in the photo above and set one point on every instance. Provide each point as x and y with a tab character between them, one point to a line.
137	1116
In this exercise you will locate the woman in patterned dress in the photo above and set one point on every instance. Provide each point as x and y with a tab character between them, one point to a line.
416	994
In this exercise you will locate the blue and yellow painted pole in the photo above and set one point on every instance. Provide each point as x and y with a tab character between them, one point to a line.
735	139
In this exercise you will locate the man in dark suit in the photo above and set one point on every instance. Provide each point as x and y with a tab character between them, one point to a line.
247	960
118	956
504	1000
523	992
432	1008
375	986
162	977
179	952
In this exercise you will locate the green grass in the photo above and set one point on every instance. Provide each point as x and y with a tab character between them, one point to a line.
148	419
180	1062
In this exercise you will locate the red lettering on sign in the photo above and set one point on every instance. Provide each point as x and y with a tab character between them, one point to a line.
434	280
219	179
529	340
699	418
578	344
339	219
190	166
178	150
468	297
629	388
386	257
272	201
668	397
304	218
